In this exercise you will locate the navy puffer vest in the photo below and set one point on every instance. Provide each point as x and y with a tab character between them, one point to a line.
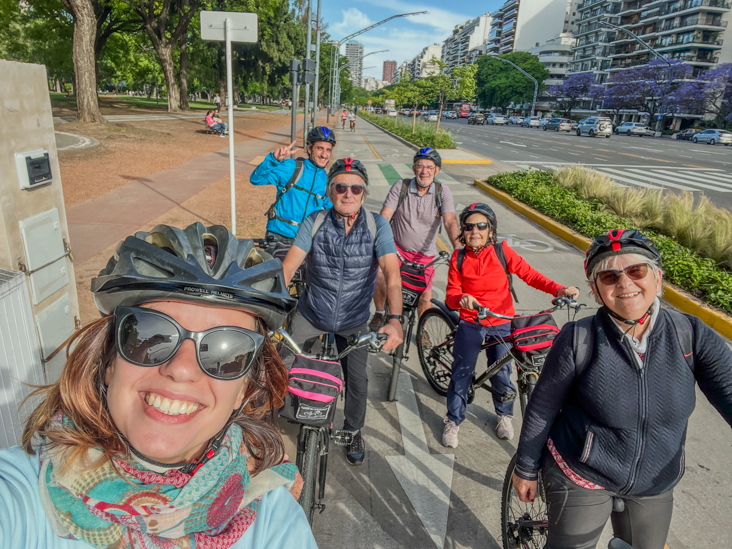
341	275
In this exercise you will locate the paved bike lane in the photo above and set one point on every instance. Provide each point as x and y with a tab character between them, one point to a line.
413	492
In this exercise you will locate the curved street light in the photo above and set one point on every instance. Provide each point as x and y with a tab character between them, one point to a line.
536	84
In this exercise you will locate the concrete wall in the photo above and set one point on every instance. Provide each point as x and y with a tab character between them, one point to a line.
538	21
26	124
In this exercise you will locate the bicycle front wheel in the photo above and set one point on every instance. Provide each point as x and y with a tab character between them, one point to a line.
523	525
310	473
435	339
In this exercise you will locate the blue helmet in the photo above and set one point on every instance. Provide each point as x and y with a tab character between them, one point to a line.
321	133
430	154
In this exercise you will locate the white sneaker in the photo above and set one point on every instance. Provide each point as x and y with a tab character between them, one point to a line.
504	427
450	434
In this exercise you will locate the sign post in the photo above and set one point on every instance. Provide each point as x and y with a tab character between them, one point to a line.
228	27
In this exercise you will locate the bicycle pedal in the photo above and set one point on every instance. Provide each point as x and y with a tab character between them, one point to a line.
342	437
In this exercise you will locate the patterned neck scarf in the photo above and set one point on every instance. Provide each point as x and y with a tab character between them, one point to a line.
144	508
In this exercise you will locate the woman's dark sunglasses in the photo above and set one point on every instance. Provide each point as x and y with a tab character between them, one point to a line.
356	190
149	338
467	227
611	277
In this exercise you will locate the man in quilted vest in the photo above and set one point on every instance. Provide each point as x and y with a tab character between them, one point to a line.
343	248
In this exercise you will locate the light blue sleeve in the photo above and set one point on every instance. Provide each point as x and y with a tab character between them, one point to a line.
280	524
304	236
384	237
272	172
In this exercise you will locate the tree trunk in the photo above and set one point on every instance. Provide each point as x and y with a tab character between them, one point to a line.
85	30
439	117
222	90
414	119
184	73
166	62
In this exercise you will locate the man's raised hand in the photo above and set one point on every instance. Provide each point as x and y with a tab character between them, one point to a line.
285	152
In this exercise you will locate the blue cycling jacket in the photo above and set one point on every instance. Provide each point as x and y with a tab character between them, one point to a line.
307	196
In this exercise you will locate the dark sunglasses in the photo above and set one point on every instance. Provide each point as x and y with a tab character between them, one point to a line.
467	227
356	190
611	277
150	338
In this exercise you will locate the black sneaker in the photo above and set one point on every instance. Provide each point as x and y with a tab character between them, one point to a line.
356	450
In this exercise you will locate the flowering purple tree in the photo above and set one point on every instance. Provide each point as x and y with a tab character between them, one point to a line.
709	93
573	90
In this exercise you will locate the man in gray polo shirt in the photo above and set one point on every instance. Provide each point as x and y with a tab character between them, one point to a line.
416	209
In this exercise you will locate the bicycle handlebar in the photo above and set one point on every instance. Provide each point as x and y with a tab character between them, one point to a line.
558	302
374	340
441	258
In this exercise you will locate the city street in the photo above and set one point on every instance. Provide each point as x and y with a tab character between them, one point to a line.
629	160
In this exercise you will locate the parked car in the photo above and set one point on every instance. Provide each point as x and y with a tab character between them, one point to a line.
476	118
530	122
686	135
432	118
596	127
453	115
559	124
544	121
713	136
392	112
496	118
631	128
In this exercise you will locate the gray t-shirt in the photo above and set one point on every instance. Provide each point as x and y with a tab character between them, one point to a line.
415	223
384	238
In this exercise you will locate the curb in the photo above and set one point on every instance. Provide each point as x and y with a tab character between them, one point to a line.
681	300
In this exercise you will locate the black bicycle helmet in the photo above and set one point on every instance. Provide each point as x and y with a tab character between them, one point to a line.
430	154
321	133
479	207
197	264
348	165
617	242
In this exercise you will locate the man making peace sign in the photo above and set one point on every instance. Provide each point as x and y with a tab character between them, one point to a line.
300	183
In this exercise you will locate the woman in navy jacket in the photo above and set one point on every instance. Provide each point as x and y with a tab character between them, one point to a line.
609	414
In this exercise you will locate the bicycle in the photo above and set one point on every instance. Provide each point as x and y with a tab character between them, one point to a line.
353	125
313	441
343	123
410	299
278	247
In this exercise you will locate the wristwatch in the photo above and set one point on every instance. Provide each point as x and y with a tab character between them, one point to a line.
400	318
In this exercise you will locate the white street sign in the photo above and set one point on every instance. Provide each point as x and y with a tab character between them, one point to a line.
425	478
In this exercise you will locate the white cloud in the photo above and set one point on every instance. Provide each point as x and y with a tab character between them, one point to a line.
353	20
440	19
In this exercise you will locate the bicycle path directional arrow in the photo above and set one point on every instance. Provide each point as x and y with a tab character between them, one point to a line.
425	478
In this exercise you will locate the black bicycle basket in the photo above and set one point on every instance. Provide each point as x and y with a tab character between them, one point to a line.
414	284
314	386
532	338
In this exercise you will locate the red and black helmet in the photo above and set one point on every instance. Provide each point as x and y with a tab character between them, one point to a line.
479	207
321	133
618	242
348	165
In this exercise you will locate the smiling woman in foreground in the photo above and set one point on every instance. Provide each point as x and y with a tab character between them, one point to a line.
154	435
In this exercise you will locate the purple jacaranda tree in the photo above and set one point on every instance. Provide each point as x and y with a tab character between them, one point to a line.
573	90
708	93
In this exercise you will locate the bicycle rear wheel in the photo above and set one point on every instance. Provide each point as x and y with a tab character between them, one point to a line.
523	525
310	473
435	338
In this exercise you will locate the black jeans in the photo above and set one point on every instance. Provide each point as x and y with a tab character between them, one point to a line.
353	364
578	515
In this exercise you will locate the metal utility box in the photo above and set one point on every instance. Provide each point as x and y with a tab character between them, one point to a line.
45	254
21	364
34	168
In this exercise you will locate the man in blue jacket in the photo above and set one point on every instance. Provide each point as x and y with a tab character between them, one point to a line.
300	183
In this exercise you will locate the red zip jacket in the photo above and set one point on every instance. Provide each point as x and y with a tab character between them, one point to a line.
483	277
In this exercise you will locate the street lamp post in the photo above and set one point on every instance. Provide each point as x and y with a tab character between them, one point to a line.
335	74
536	84
654	52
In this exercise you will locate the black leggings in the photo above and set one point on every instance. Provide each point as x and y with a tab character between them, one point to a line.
578	515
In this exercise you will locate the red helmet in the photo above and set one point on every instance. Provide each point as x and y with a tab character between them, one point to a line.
479	207
618	242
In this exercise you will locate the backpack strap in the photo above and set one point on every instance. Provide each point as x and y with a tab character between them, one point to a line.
271	213
460	259
583	342
501	255
402	196
685	335
319	220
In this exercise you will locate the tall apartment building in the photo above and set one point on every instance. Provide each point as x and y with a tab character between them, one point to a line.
354	53
401	73
422	66
389	71
688	30
520	25
555	55
593	50
465	42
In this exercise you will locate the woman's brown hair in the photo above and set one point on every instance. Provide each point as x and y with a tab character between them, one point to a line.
80	396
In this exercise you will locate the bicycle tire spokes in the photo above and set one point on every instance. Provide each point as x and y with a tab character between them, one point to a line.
528	526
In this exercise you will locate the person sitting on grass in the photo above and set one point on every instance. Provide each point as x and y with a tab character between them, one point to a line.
211	123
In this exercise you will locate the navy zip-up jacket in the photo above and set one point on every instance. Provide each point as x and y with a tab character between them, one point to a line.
616	424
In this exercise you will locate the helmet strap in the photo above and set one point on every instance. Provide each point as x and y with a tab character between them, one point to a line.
349	219
632	323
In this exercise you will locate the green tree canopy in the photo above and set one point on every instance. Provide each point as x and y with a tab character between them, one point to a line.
499	84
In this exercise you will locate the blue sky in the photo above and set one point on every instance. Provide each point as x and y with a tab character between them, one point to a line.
404	37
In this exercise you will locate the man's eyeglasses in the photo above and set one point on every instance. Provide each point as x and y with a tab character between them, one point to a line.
422	167
467	227
356	190
610	277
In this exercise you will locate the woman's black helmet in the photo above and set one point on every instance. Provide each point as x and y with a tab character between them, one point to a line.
199	264
348	165
321	133
430	154
617	242
479	207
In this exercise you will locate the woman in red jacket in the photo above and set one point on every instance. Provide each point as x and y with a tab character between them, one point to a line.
482	281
